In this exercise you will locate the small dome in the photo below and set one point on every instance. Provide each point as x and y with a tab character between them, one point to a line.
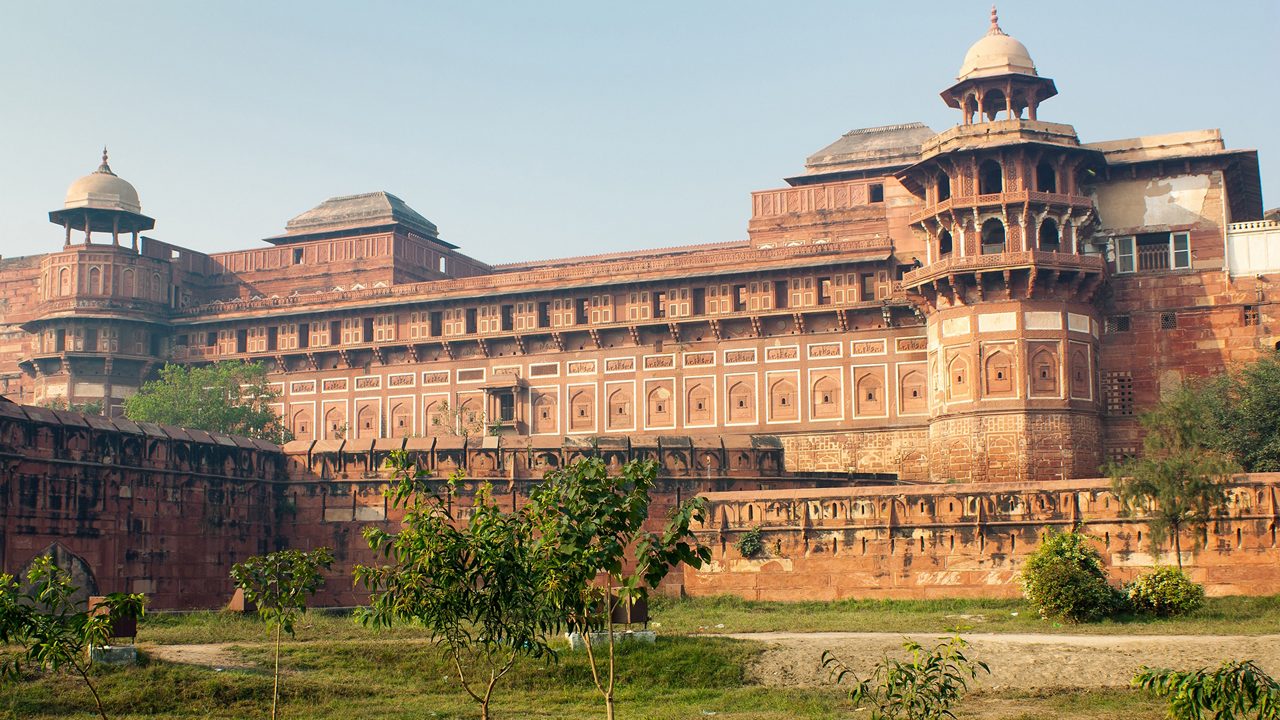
996	54
103	190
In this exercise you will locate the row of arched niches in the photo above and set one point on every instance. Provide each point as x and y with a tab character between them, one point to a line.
1011	198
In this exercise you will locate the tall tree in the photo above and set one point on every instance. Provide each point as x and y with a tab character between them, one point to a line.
469	576
1181	480
226	397
278	584
1245	405
592	544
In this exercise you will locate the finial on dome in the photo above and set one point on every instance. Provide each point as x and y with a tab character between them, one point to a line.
104	167
995	22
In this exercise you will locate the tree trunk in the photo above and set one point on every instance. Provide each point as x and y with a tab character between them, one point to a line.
1177	547
275	689
97	700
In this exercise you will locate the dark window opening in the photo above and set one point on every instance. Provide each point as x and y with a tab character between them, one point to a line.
471	321
210	338
868	287
297	256
780	295
659	304
583	315
990	178
876	193
507	407
91	339
1049	238
154	344
699	301
1046	178
824	291
60	340
304	335
242	341
368	329
335	332
992	237
273	335
544	314
508	318
437	324
944	186
739	298
1168	321
945	245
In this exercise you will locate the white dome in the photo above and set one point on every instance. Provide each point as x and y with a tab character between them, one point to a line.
104	190
996	54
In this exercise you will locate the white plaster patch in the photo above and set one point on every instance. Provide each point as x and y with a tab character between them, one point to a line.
1041	320
997	322
1078	323
84	389
1175	200
956	326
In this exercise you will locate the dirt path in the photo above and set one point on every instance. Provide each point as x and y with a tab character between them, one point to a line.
213	655
1017	661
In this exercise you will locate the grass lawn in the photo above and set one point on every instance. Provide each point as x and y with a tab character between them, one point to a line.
678	678
1219	616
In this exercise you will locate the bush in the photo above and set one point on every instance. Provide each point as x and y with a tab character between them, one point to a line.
751	543
1065	580
923	688
1236	690
1165	592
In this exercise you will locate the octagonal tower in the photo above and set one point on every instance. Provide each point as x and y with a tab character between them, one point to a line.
1006	285
101	318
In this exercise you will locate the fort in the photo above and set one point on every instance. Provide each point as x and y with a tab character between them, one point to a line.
976	315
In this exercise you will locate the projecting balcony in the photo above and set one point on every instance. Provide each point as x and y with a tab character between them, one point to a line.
979	277
1021	197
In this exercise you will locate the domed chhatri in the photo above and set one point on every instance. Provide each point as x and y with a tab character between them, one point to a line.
104	190
996	54
102	202
998	80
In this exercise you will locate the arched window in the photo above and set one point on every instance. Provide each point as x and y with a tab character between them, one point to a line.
155	286
698	405
912	388
958	378
993	103
944	243
64	281
741	402
1046	178
581	411
95	281
126	282
970	109
990	178
620	413
1049	239
869	399
544	414
992	236
944	186
659	407
782	401
826	399
401	420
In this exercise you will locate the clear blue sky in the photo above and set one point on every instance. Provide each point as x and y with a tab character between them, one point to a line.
542	129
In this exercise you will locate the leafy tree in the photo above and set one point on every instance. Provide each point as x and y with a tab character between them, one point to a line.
449	420
470	577
227	397
923	688
1181	480
278	584
53	633
1245	407
592	541
1066	579
1234	691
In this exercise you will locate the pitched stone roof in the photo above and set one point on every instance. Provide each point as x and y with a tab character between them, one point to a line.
353	212
871	148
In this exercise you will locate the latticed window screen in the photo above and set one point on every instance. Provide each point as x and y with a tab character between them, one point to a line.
1116	324
1251	315
1117	392
1168	321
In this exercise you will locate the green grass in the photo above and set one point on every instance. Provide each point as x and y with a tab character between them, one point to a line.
676	679
726	614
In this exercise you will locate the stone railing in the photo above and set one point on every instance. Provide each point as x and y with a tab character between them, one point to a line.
997	261
1018	197
809	198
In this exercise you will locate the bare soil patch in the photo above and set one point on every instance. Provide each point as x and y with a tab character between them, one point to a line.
211	655
1022	662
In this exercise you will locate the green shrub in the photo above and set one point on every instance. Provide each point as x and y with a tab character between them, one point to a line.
751	543
1235	691
923	688
1166	592
1065	579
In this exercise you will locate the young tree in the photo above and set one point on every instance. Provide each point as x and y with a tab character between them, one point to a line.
1234	691
470	576
278	584
592	543
923	688
53	633
1181	480
227	397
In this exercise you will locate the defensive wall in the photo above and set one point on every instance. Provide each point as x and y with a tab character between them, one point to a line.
147	508
963	540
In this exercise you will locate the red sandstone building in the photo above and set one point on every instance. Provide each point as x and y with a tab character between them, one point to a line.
994	302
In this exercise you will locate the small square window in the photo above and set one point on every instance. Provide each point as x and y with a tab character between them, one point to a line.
1116	324
1168	321
876	193
1251	316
